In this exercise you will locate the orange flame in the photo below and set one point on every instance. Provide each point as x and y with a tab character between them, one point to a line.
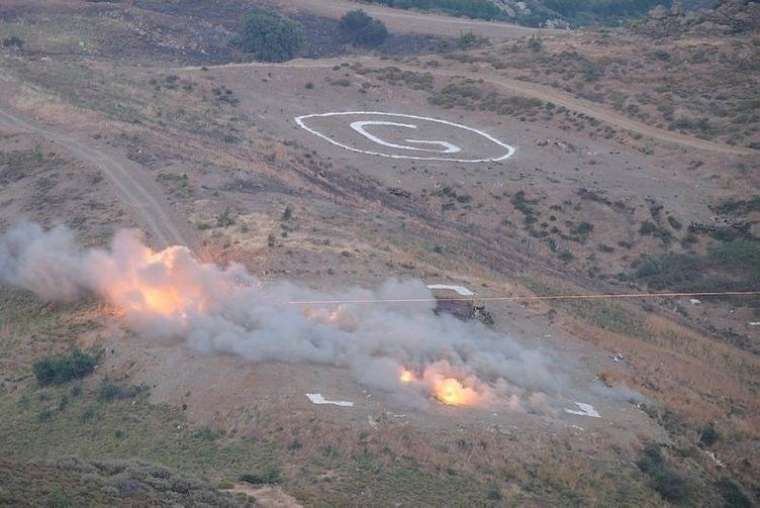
452	392
155	283
407	376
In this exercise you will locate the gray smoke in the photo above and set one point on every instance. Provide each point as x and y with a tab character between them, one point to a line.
216	309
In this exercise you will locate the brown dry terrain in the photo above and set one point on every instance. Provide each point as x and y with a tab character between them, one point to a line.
142	114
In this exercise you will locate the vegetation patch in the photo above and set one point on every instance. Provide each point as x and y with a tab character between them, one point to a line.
667	482
739	206
270	36
732	494
109	392
59	369
482	9
268	476
360	29
395	76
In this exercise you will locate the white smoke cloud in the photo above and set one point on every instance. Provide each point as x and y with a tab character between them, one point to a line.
170	294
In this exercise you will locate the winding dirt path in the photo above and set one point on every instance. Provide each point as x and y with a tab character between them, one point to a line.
534	90
134	187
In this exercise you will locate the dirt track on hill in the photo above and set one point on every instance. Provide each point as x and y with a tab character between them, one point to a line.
527	89
135	189
422	23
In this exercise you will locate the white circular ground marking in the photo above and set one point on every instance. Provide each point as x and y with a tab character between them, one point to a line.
415	146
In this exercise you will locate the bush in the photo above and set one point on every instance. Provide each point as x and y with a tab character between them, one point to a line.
709	436
60	369
669	484
535	43
483	9
108	392
225	219
13	42
270	36
732	494
268	476
468	40
738	255
360	29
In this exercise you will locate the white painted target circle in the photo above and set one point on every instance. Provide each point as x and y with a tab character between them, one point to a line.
371	129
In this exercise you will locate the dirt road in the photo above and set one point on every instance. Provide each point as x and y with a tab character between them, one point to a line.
524	88
135	187
399	20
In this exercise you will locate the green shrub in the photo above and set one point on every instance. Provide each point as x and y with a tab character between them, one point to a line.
108	392
582	229
483	9
587	11
360	29
738	255
60	369
270	36
668	483
225	219
13	42
468	40
739	207
732	494
647	228
88	415
268	476
535	43
674	223
709	436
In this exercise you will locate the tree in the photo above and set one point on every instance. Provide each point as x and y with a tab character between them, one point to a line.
360	29
270	36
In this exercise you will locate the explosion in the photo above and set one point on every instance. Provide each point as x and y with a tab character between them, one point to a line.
451	392
447	389
170	294
407	376
165	283
454	388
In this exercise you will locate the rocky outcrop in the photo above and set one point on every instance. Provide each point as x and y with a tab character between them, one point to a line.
728	16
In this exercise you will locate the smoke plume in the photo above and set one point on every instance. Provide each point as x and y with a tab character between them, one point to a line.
170	295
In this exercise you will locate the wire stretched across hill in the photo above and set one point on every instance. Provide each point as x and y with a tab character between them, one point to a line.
529	298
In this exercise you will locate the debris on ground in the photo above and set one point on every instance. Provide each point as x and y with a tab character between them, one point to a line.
317	398
584	410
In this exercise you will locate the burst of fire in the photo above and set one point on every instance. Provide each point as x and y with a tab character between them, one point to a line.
452	392
154	283
446	388
168	283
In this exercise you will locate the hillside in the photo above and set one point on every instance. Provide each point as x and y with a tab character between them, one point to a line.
270	255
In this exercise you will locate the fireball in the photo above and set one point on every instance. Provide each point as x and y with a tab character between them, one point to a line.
407	376
452	392
148	282
453	386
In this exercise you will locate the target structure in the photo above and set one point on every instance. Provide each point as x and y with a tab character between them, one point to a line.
402	136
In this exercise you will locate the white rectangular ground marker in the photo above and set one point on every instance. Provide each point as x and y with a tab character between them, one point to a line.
460	290
317	398
584	410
